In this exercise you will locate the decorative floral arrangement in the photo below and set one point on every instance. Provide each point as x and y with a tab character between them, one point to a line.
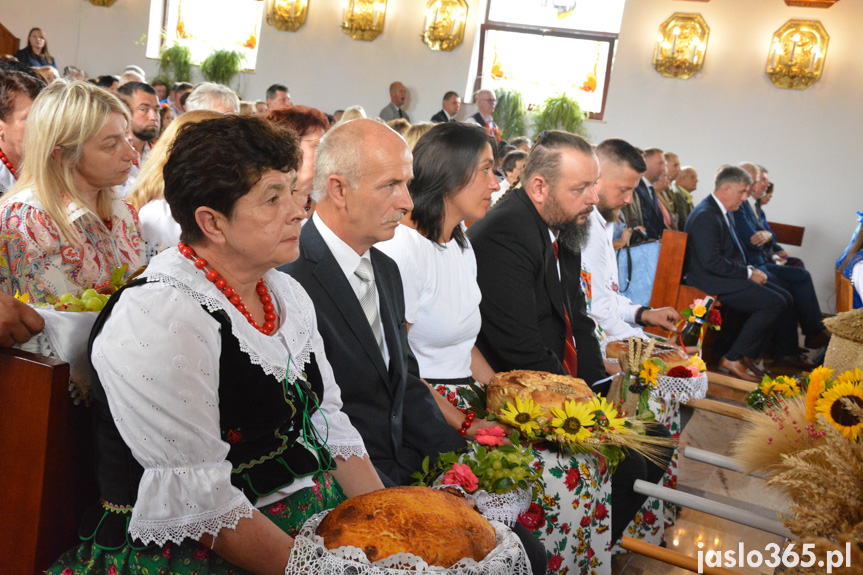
771	390
698	312
594	426
641	373
807	441
487	464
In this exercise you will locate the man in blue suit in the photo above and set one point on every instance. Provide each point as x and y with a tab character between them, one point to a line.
797	281
651	214
717	264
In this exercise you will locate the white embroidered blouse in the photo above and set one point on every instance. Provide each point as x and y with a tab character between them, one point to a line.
158	361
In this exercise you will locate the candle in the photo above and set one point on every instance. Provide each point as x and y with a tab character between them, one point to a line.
674	41
345	9
657	46
813	58
777	47
794	42
695	44
293	7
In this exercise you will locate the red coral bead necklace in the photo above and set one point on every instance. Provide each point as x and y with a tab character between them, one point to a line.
270	316
8	164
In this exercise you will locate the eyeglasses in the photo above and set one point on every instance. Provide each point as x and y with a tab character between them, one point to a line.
492	100
312	140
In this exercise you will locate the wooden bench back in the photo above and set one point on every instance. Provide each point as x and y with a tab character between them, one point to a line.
46	461
8	41
844	293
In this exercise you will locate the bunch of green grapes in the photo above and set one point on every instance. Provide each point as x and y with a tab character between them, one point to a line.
90	300
506	467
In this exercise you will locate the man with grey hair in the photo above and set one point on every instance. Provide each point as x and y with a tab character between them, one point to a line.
394	110
717	264
215	97
485	103
684	185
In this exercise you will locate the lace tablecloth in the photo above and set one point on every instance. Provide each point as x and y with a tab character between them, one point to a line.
310	556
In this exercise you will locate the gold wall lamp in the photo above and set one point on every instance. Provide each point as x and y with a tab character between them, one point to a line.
444	24
287	15
681	45
797	54
363	19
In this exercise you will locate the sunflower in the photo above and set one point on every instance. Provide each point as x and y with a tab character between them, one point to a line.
854	376
573	420
523	415
783	385
608	419
649	373
834	411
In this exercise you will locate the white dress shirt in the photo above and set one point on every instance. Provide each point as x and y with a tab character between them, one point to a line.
349	260
613	312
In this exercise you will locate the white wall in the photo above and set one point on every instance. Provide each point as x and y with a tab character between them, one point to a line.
809	140
727	113
322	66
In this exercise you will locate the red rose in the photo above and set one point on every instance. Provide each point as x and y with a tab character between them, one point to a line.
533	518
461	474
590	553
649	517
601	511
585	521
714	318
679	371
572	478
201	553
554	563
67	571
277	508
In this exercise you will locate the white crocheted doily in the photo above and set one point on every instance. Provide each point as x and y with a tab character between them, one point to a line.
503	507
310	556
680	389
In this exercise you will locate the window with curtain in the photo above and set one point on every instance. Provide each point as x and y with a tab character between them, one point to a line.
543	48
205	26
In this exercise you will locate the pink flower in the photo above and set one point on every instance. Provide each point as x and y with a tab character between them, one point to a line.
461	474
277	508
554	563
693	370
490	436
697	303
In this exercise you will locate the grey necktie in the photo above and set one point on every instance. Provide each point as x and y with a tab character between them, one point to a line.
369	299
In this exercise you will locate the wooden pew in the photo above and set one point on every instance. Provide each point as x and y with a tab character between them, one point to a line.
45	455
8	41
844	293
787	234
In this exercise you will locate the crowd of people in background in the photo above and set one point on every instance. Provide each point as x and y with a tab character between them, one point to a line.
212	192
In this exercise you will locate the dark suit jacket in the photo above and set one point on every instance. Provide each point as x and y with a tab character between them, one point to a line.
391	408
440	117
651	215
523	300
713	262
747	223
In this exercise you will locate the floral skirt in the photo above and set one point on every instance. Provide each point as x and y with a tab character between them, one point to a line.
191	557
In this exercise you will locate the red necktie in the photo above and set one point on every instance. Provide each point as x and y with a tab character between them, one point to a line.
570	356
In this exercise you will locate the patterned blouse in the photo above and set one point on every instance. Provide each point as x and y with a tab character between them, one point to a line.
36	260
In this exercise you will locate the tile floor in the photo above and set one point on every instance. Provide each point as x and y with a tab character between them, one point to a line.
714	433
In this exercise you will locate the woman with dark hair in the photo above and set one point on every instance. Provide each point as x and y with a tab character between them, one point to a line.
36	53
218	421
453	182
110	83
17	92
310	125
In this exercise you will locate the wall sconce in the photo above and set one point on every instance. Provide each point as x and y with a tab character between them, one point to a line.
287	15
103	3
797	54
444	24
363	19
681	45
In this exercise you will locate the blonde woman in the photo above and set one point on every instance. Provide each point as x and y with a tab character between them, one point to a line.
353	113
416	131
63	228
158	227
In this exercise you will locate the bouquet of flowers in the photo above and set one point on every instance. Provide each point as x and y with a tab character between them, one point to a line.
486	465
806	438
696	317
641	374
771	390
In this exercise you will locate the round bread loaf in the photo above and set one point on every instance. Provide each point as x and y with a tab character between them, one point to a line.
547	390
672	356
439	527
